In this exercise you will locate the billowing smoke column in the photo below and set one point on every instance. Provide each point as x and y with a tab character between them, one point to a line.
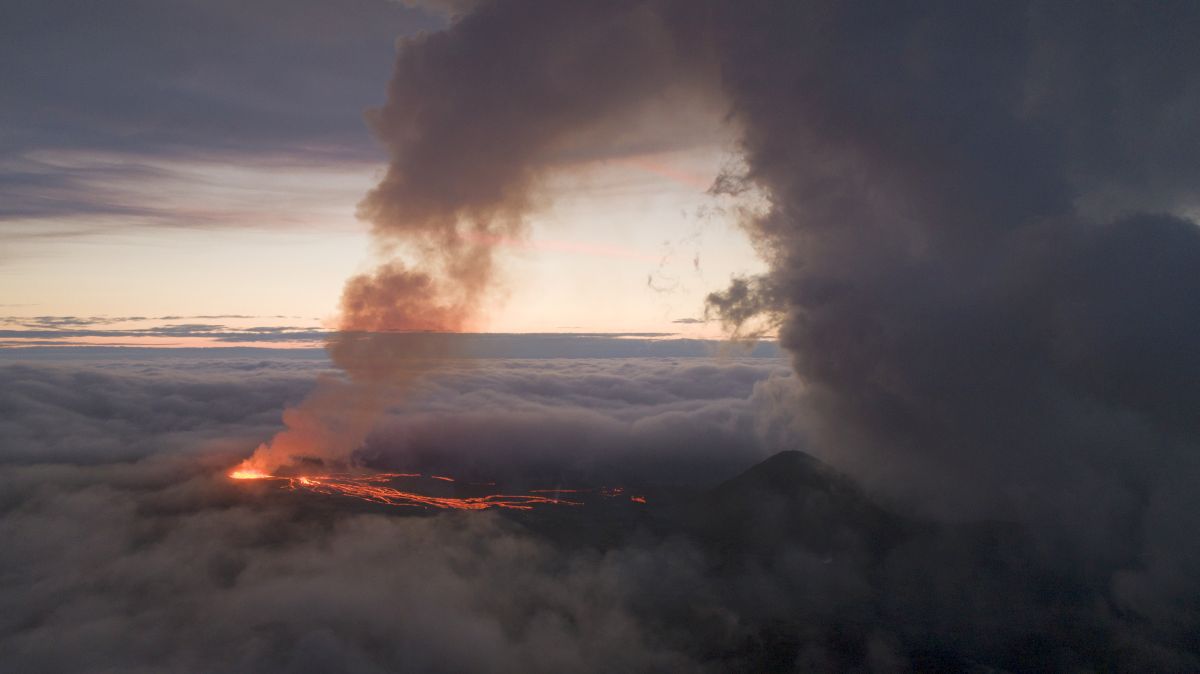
976	220
979	256
984	265
475	116
976	224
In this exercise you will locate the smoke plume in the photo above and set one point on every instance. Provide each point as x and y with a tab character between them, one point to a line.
983	261
978	220
951	194
476	117
981	258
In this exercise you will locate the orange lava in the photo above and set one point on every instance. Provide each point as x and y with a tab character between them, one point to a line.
375	489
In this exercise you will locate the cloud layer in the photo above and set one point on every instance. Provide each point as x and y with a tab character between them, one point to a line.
979	223
127	547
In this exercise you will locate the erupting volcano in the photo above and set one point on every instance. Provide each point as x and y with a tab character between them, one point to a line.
381	488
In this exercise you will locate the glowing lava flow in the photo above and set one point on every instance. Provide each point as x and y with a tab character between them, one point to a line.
375	489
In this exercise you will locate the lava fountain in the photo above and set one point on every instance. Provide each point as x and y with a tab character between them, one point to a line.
245	473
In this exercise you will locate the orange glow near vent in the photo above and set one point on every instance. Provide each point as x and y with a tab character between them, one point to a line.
377	489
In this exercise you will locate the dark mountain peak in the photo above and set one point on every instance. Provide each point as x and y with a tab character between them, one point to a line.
786	472
792	499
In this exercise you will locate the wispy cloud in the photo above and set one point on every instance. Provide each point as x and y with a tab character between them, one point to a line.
63	194
187	331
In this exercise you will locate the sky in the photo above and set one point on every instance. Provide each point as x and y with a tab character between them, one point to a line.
204	158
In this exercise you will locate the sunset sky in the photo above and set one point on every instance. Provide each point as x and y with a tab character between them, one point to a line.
207	161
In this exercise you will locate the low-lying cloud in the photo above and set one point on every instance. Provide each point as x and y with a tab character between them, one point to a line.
128	548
